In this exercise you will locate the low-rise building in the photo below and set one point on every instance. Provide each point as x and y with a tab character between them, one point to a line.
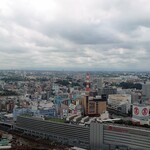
120	102
94	105
43	108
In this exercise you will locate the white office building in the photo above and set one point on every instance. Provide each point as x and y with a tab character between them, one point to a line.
120	102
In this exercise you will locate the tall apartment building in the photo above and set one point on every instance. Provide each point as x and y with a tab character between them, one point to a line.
100	83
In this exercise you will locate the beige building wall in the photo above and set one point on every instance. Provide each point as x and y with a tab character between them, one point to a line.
101	107
94	107
91	107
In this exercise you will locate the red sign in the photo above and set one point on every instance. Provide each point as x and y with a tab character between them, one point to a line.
136	110
117	129
144	111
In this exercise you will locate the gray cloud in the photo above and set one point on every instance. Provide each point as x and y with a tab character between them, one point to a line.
100	34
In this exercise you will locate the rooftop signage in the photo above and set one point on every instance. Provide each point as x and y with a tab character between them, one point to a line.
128	129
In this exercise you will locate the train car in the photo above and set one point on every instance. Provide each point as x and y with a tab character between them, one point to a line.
89	122
69	118
77	119
108	120
81	124
85	119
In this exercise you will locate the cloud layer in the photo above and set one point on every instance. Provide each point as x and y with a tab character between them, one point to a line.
79	34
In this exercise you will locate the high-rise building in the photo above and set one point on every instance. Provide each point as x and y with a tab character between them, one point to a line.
135	97
100	83
146	90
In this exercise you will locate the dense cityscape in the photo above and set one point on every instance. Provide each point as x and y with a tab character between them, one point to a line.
76	99
74	75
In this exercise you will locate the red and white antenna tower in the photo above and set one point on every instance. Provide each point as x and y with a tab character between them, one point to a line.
87	89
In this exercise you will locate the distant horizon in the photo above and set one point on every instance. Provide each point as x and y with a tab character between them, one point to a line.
75	70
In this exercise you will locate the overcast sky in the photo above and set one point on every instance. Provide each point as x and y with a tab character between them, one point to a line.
75	34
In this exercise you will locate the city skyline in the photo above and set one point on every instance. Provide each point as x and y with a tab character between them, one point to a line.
100	35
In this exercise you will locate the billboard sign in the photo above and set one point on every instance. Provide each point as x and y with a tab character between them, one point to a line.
136	110
140	111
144	111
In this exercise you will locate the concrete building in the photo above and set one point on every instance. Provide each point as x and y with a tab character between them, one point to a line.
94	105
100	83
98	136
56	88
135	97
36	109
17	111
146	90
120	102
63	110
107	90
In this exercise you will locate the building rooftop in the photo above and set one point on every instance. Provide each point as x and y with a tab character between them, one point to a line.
119	97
